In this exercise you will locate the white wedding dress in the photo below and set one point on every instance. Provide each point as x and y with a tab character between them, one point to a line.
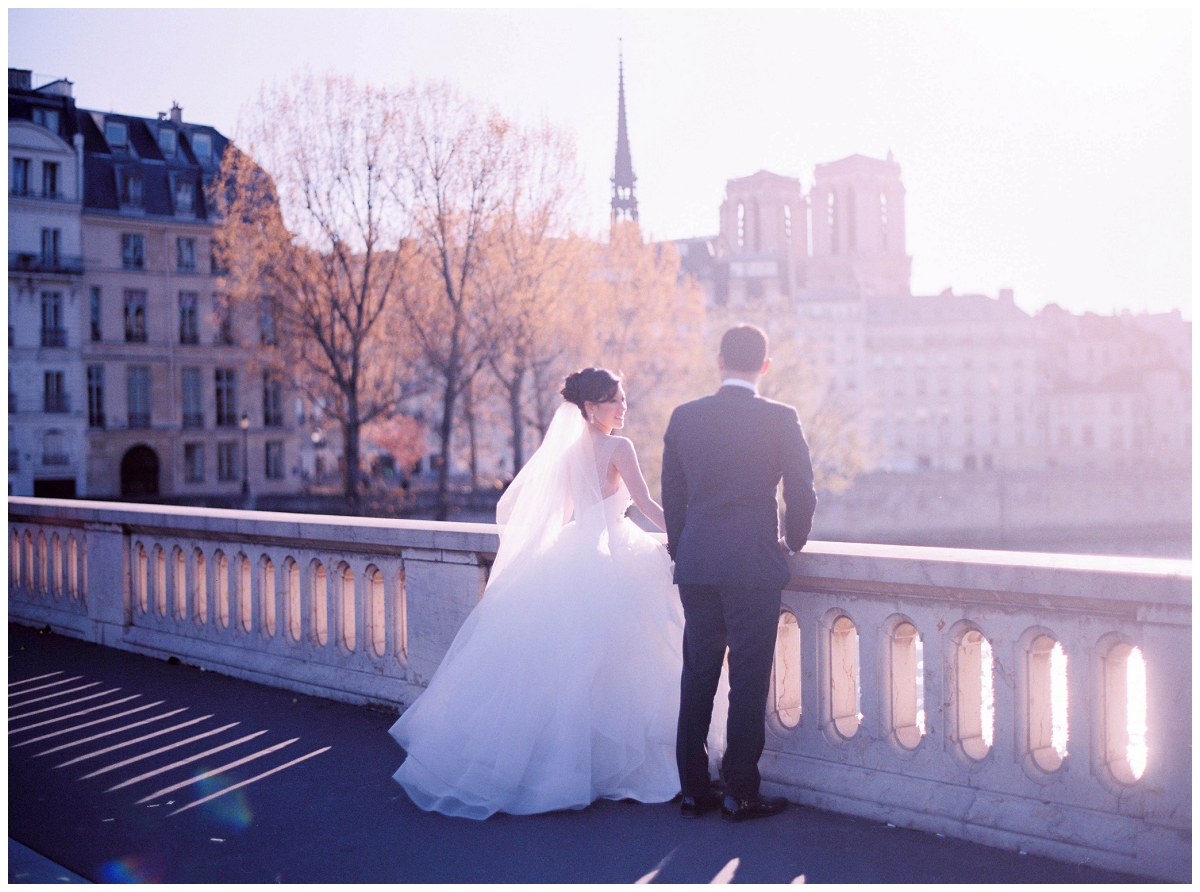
562	687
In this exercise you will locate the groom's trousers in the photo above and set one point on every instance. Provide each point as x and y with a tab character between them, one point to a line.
746	620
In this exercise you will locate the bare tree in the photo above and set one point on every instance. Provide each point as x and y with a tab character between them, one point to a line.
453	167
311	221
536	276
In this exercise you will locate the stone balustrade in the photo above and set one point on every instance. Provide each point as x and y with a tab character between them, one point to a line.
1028	701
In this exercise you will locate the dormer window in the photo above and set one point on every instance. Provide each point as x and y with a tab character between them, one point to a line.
167	141
185	196
46	117
131	188
202	146
116	133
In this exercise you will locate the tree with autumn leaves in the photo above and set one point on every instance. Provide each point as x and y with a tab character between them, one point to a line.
417	248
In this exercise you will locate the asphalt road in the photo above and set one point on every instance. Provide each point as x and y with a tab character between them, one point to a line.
126	768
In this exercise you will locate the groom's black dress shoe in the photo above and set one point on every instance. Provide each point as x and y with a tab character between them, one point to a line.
734	809
695	806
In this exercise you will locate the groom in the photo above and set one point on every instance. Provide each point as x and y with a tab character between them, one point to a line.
723	458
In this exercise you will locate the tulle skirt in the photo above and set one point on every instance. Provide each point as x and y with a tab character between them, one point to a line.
562	687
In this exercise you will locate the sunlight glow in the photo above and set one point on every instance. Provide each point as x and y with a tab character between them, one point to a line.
1058	699
1136	712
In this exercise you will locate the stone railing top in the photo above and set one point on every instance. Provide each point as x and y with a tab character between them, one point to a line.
954	572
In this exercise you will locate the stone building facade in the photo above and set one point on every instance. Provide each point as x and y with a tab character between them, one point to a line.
949	382
166	387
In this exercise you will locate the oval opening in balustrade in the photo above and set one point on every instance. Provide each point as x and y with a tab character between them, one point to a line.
786	671
376	610
320	603
975	695
844	684
1047	703
14	561
178	583
160	581
73	568
267	587
345	577
245	594
400	615
27	565
221	587
43	583
56	562
200	587
907	683
141	572
291	576
1124	679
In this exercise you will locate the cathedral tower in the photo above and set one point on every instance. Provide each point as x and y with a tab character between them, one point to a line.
624	199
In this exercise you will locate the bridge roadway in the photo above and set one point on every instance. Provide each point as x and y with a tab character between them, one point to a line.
126	768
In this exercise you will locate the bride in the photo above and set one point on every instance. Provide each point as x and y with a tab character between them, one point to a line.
562	687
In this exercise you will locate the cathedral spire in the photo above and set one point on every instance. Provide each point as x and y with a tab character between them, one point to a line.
624	200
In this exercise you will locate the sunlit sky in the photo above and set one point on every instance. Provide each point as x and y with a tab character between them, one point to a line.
1046	152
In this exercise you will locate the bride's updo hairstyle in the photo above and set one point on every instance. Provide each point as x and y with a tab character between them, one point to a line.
590	386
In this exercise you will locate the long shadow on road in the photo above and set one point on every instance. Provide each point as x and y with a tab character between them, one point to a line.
181	775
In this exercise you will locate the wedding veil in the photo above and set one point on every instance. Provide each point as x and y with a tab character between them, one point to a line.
559	481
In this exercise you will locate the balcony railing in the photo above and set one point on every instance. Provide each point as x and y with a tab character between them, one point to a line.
884	702
57	403
56	458
54	337
19	261
139	420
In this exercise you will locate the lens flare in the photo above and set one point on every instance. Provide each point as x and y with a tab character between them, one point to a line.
232	810
133	869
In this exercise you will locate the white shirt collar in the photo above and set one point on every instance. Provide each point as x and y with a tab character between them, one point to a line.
739	382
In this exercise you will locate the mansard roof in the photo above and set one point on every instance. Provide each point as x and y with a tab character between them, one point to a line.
944	308
102	162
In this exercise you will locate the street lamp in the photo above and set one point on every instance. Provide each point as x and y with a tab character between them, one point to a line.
317	437
244	424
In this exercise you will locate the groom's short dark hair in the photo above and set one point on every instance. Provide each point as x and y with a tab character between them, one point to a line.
744	348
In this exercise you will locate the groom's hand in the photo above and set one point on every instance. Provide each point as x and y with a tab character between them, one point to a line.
783	544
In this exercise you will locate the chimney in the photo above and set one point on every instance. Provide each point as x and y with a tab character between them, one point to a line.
176	113
20	79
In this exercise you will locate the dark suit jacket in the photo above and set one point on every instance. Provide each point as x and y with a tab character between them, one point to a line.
723	457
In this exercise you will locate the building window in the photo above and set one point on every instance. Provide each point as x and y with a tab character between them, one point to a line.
227	460
53	333
135	316
266	323
741	226
272	401
116	134
185	255
185	196
189	326
50	180
226	380
223	307
274	460
202	146
97	330
831	220
883	221
787	223
95	385
20	176
193	406
131	188
167	141
138	381
54	449
133	250
51	243
851	222
46	117
55	393
193	462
